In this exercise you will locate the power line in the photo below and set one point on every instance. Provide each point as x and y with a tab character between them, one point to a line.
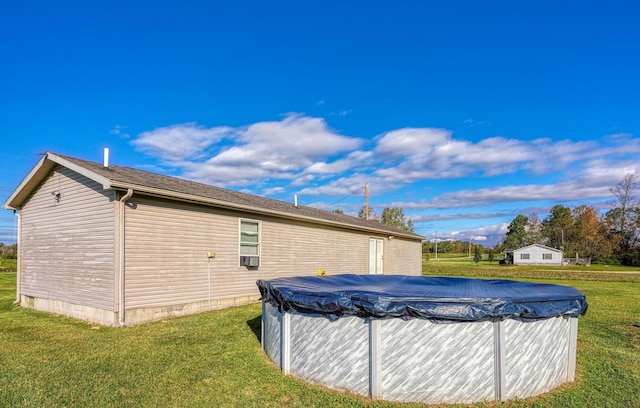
21	156
338	200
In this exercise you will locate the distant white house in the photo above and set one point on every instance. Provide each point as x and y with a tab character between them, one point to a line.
535	254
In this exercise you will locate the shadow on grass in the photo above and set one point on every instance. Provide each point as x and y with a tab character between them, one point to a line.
255	326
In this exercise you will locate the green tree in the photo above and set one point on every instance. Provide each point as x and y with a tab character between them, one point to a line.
557	227
492	255
394	216
445	247
516	233
338	211
477	256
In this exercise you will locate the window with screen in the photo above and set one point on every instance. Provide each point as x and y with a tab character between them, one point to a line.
249	250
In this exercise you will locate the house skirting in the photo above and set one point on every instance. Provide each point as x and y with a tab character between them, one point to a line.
150	314
132	316
88	313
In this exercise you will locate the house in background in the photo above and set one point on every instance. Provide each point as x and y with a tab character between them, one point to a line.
120	246
535	254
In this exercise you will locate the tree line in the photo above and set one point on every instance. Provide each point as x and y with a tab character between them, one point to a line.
8	251
582	231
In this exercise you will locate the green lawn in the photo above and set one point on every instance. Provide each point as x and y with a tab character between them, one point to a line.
8	265
214	359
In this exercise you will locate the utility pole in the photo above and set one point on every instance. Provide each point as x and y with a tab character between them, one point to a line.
469	247
436	237
366	201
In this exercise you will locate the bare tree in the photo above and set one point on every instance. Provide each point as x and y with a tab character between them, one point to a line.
623	218
534	230
371	213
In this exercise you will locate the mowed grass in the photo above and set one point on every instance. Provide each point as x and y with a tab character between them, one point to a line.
7	265
215	360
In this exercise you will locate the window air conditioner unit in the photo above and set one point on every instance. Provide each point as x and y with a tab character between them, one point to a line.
251	261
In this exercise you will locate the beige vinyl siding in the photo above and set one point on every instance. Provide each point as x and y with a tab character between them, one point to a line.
167	243
291	248
166	249
67	247
402	257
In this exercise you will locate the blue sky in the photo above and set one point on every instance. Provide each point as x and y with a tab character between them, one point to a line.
464	113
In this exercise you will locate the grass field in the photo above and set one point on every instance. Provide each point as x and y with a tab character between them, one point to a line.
215	360
8	265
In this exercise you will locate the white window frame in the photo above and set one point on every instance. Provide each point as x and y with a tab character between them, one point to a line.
547	257
240	242
525	256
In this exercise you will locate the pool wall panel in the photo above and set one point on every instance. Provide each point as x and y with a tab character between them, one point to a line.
436	363
537	356
272	320
331	353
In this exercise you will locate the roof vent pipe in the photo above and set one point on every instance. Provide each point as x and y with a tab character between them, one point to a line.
106	157
295	200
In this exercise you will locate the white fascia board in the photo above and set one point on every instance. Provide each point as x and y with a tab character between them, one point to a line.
10	204
39	172
106	183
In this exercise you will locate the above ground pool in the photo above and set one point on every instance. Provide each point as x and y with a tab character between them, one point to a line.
422	339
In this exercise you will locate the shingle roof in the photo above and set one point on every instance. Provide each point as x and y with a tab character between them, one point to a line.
176	188
534	245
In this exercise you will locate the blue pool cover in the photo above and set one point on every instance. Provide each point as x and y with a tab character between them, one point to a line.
440	299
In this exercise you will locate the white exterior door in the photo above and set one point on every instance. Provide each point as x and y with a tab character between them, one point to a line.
375	256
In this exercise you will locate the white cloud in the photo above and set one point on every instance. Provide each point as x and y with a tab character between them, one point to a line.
297	134
529	192
341	113
352	161
446	217
186	141
343	186
302	154
487	235
273	190
328	168
278	149
302	180
305	151
412	141
119	130
410	155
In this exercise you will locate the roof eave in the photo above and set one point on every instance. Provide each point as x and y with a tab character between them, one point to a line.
39	172
27	185
106	182
253	209
50	160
